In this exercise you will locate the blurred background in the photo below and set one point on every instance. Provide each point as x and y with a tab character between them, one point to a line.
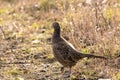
92	26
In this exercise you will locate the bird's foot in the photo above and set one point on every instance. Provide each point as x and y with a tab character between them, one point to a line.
62	69
67	74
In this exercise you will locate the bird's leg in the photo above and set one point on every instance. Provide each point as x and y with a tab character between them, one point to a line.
67	73
70	70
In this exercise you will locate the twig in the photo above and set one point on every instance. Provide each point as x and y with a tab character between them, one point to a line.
74	41
3	32
96	14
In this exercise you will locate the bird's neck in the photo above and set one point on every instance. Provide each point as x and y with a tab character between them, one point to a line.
56	36
56	33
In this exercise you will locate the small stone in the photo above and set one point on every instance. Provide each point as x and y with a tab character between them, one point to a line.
47	65
42	70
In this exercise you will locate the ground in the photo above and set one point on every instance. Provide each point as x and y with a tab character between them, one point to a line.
25	38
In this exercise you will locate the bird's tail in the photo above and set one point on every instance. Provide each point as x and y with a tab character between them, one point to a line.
94	56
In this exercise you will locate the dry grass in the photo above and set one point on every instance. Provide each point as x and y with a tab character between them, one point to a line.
25	37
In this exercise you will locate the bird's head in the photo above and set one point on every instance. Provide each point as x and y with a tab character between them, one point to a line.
56	26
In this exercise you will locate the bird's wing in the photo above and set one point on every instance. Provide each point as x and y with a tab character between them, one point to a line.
69	51
68	43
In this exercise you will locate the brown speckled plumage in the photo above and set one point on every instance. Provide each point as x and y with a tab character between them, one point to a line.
64	52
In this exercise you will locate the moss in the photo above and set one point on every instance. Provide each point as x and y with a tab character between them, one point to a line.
116	76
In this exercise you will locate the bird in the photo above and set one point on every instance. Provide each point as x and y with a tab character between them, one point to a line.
64	52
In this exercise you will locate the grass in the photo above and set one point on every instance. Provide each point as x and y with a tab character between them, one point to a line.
26	31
